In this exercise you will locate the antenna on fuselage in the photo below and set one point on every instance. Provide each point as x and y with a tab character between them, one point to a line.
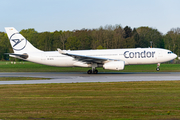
151	43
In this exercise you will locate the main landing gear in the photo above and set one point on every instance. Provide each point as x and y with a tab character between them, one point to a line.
158	65
93	70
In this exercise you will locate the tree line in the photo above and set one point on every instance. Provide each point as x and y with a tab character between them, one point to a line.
107	37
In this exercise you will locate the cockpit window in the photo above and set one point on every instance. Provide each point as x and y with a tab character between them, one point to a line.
170	52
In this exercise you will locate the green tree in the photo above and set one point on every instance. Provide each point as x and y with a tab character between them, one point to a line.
5	46
97	38
84	37
147	34
118	40
172	40
73	43
56	40
45	41
31	35
64	36
136	38
127	32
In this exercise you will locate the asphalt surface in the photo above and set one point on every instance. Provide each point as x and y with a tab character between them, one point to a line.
77	77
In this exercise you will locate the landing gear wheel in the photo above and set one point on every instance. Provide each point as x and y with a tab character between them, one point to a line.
95	71
157	68
89	72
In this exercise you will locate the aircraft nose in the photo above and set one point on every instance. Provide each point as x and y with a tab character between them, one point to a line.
175	56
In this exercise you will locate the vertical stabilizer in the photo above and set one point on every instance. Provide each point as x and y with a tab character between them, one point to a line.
19	44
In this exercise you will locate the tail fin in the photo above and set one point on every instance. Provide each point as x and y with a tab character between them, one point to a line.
19	44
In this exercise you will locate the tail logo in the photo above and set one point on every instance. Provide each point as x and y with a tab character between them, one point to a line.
18	42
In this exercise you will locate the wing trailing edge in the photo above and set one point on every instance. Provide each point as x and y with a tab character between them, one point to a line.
85	58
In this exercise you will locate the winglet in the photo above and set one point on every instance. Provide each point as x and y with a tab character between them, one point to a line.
60	51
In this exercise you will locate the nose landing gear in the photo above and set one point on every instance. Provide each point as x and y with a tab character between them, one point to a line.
158	65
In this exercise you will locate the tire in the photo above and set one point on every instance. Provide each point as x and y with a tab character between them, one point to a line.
157	68
89	72
95	71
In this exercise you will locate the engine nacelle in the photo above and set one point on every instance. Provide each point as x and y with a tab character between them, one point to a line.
114	65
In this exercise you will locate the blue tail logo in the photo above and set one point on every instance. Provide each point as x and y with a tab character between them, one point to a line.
18	42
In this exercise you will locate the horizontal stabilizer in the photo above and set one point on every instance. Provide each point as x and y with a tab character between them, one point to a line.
22	56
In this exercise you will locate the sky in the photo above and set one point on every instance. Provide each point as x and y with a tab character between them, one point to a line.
52	15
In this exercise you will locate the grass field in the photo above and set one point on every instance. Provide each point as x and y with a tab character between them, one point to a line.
117	101
32	67
112	101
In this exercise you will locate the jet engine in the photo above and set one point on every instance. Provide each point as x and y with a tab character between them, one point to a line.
114	65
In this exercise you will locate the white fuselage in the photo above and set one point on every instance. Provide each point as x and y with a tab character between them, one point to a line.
129	56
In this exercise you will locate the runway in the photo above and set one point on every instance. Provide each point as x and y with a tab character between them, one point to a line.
77	77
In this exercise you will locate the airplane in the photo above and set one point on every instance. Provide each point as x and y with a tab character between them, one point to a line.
111	59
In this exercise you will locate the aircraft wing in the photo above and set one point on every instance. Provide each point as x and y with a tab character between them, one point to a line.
24	56
84	58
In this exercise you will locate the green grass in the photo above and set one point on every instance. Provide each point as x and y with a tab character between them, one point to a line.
33	67
118	101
